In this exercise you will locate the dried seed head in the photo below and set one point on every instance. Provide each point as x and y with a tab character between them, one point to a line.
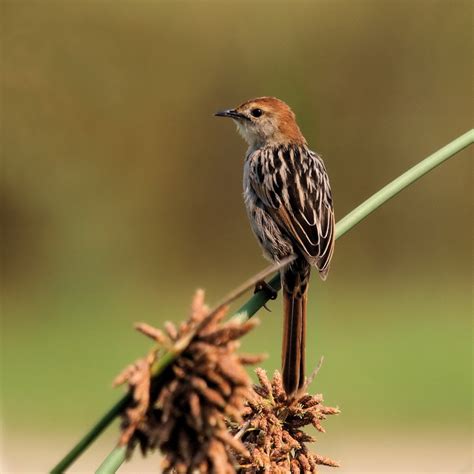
272	429
183	411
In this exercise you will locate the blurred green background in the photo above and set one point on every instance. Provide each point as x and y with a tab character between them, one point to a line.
121	194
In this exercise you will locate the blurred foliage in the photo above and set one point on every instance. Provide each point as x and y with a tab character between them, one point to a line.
121	193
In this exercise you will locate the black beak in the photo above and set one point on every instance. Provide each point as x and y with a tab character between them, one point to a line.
232	113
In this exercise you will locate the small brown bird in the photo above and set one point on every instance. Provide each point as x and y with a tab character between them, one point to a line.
289	204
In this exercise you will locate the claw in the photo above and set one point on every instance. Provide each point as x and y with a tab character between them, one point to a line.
270	292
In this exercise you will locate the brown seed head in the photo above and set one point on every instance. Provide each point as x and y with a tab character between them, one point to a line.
265	121
273	430
183	411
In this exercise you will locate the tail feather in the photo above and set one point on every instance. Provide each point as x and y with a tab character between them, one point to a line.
295	286
294	332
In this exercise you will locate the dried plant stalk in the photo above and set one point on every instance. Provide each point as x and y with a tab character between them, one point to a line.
342	227
183	412
272	430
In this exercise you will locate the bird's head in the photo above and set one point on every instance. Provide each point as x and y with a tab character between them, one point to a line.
265	121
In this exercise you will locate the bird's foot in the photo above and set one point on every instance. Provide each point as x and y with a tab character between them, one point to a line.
269	291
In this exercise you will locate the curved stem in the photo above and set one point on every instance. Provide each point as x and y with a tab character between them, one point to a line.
117	456
400	183
375	201
90	437
113	461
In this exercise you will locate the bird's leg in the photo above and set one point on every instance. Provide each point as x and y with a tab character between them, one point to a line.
269	291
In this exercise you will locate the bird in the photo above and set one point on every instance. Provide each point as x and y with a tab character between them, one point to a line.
289	204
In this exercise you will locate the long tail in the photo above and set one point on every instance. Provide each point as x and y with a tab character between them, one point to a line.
295	287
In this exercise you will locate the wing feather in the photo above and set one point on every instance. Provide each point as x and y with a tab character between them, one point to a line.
293	185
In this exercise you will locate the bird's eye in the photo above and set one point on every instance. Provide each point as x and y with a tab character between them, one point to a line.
256	112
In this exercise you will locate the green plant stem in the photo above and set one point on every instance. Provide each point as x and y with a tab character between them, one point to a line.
375	201
400	183
89	438
113	461
117	456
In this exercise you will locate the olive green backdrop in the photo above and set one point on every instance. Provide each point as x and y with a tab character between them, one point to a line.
121	194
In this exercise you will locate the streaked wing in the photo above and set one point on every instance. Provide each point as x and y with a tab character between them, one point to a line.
293	185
